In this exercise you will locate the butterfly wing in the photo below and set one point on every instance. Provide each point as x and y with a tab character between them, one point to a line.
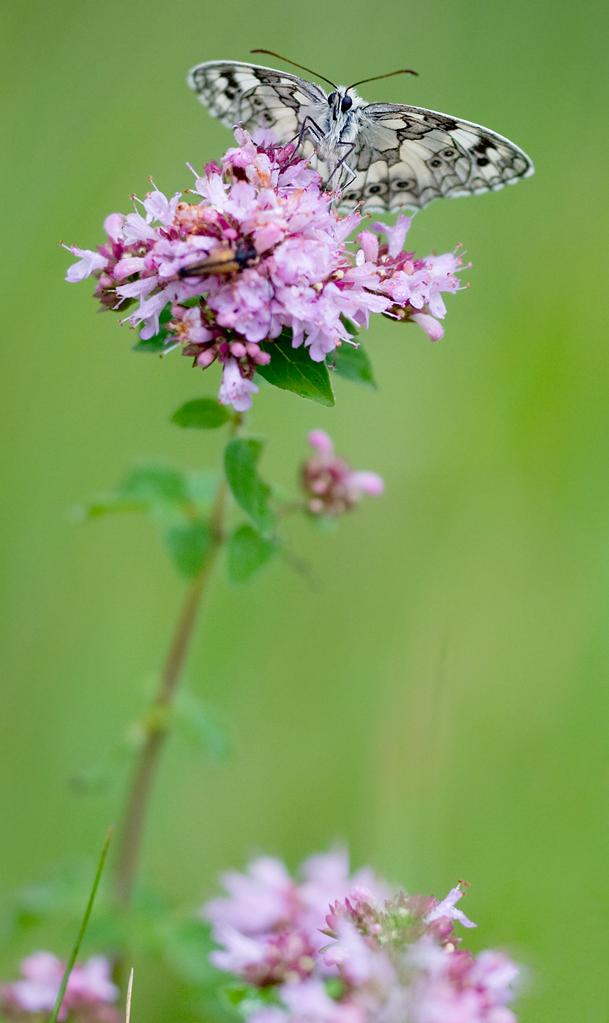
257	97
406	156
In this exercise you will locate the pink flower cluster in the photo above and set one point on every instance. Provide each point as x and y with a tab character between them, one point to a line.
89	996
331	485
269	923
363	958
258	250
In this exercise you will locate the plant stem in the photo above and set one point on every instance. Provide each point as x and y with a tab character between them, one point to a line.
83	926
139	793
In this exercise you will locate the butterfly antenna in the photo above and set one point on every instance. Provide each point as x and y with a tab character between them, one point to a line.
271	53
390	74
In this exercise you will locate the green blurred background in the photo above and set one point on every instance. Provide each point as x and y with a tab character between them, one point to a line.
440	702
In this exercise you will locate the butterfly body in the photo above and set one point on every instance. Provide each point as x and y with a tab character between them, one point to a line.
382	156
329	135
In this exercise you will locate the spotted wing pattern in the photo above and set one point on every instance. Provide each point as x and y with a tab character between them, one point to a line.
257	97
406	156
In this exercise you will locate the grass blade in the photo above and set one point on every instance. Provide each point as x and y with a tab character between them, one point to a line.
83	926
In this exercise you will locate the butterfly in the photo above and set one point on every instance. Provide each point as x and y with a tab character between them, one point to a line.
382	156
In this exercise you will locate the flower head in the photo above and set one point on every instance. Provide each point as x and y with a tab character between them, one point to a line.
380	959
331	485
256	252
89	996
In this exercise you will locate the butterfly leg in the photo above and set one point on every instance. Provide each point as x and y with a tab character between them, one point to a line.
308	127
343	163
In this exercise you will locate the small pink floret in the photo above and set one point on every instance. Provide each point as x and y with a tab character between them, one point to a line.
331	485
368	483
321	441
88	263
236	389
433	329
448	908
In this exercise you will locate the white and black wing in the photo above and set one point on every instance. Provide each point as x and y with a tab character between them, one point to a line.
405	157
257	97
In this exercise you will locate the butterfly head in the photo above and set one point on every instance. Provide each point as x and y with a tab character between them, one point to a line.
340	102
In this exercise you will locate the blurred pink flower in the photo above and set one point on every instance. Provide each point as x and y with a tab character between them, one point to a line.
285	956
259	252
90	992
258	900
331	485
270	924
453	986
389	959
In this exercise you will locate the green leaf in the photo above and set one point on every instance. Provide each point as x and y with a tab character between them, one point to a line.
188	543
293	369
201	414
187	944
57	897
235	994
247	999
110	766
249	491
199	725
154	484
247	552
106	504
202	486
153	345
335	987
353	364
160	489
